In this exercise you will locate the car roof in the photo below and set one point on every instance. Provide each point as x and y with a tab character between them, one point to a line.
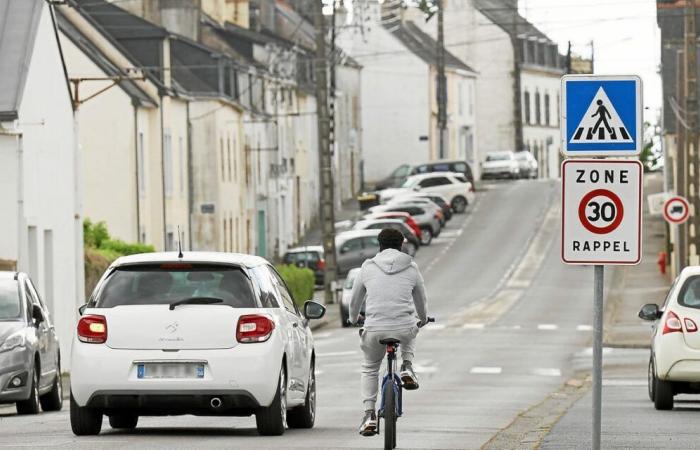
351	234
306	248
420	176
442	161
690	271
378	220
238	259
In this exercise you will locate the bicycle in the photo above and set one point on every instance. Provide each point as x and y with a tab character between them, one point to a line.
391	407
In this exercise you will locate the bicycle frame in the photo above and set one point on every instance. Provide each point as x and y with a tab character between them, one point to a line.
391	374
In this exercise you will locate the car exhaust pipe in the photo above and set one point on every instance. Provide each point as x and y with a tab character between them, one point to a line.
216	403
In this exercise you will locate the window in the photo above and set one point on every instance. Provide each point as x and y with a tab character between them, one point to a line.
352	245
372	242
228	156
436	181
234	156
526	106
159	284
168	164
470	99
268	296
461	98
538	118
546	109
9	301
690	293
37	300
284	293
181	165
141	169
223	162
170	241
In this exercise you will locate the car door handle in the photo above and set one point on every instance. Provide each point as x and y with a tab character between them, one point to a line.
295	324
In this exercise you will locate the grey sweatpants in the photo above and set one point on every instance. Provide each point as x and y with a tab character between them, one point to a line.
375	353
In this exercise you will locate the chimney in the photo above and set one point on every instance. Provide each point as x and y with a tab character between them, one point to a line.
180	16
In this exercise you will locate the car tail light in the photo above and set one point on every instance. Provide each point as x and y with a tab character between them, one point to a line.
254	328
321	264
672	323
690	326
92	329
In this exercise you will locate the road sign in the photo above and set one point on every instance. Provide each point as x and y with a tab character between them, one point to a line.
601	211
676	210
601	115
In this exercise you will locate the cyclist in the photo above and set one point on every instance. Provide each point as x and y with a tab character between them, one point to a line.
392	290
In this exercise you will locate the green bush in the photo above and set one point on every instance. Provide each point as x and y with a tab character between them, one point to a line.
94	235
300	281
125	248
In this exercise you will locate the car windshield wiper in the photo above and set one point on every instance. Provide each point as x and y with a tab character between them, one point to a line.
196	301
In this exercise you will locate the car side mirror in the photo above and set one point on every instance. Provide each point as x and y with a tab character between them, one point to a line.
650	312
81	310
314	310
37	314
416	188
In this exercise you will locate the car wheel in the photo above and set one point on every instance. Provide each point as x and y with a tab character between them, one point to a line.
426	236
31	405
663	395
459	204
272	419
651	380
84	421
53	400
123	421
304	416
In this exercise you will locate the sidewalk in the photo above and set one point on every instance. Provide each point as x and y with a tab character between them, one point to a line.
629	417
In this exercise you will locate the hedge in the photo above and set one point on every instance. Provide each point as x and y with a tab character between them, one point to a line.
300	281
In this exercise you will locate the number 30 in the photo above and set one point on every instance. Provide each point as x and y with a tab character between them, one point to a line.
606	211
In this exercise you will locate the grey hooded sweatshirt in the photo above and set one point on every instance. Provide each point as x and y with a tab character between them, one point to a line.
392	289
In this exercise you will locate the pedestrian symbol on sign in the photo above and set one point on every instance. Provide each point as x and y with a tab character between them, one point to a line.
601	123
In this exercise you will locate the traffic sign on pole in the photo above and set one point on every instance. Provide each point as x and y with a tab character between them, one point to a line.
601	211
676	210
601	115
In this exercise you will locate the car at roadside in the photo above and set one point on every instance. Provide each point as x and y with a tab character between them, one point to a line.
435	198
527	164
411	242
354	247
346	296
399	175
309	256
500	165
674	362
204	333
423	202
30	357
427	219
405	217
453	187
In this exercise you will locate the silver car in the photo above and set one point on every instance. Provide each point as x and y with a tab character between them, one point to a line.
354	247
427	218
30	362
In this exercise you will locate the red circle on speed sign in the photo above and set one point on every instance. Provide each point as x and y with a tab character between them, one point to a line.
614	221
673	206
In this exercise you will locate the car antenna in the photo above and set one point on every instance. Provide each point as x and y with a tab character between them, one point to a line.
179	243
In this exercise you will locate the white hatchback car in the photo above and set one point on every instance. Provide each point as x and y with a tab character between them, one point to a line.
454	187
674	365
205	333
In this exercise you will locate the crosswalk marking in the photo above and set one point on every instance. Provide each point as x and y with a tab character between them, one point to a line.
348	353
547	326
473	326
486	370
584	328
547	372
600	135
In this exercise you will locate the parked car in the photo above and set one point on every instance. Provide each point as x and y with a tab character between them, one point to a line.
427	219
422	202
346	297
30	357
527	164
354	247
398	176
411	243
435	198
453	187
500	165
406	217
309	256
675	340
210	334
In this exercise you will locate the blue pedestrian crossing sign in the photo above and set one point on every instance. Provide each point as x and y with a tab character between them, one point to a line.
601	115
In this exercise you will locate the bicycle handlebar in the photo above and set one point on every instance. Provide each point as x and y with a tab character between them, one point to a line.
430	320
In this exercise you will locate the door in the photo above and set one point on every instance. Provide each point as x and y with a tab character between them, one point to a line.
350	255
47	359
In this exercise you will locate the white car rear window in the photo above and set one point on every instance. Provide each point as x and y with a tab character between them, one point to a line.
690	293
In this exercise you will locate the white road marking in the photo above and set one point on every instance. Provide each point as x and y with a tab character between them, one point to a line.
624	382
486	370
589	351
547	326
325	335
584	328
434	326
424	369
351	352
473	326
516	327
547	372
451	233
319	372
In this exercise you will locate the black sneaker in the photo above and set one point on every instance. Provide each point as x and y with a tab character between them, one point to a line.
408	377
368	427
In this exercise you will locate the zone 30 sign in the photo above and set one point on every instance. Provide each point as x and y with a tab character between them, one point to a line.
601	209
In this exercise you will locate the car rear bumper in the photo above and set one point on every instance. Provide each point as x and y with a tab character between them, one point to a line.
175	402
250	368
685	370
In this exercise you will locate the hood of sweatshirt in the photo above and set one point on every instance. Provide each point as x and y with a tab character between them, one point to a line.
392	261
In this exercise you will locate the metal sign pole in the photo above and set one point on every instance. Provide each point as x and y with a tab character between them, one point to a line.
598	278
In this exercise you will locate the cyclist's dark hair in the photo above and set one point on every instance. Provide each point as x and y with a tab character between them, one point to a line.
390	238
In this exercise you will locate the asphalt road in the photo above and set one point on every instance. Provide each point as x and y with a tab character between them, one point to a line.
510	316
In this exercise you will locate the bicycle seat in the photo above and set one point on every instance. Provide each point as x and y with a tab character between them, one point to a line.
389	341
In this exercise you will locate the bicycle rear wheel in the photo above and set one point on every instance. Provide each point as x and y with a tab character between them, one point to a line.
389	416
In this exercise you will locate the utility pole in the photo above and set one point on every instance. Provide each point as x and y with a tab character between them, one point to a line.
327	215
690	166
517	90
441	84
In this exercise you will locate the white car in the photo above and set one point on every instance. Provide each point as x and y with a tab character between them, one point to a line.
205	334
347	296
527	164
674	365
452	186
500	165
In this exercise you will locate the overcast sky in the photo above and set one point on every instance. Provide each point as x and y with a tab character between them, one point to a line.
624	32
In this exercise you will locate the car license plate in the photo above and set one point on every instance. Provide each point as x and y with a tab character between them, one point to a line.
170	370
